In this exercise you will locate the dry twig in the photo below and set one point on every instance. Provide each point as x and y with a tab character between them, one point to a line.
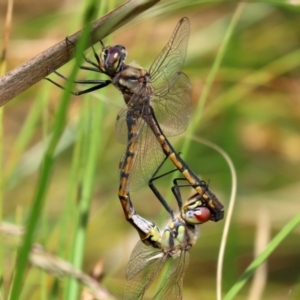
59	267
32	71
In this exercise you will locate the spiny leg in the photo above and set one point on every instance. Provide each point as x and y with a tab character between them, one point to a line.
157	193
99	83
97	69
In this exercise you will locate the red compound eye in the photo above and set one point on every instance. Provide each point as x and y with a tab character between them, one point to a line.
202	214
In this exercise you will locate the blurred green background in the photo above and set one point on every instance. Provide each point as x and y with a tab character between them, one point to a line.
252	113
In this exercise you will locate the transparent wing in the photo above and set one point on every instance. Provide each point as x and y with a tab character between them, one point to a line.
121	126
171	58
171	287
144	264
172	105
148	155
146	160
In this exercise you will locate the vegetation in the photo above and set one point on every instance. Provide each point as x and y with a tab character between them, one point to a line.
244	64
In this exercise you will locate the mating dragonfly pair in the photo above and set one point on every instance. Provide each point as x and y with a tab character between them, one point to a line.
157	106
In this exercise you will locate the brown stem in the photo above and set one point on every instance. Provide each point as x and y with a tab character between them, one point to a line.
35	69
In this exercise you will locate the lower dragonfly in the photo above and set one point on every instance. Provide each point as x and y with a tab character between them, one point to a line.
169	248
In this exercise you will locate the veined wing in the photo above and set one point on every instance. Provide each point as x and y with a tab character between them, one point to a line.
171	58
171	287
148	153
172	104
144	264
121	126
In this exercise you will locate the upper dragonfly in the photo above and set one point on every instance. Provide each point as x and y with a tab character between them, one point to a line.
157	105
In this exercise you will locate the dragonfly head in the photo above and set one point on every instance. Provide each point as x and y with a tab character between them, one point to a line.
197	216
194	212
112	59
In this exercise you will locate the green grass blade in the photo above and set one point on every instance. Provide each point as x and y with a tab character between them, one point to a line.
263	256
90	145
93	121
12	174
211	76
47	165
1	201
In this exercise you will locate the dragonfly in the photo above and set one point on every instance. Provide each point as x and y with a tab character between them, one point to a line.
165	249
157	105
171	249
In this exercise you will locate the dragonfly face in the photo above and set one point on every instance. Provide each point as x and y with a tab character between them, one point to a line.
112	59
195	212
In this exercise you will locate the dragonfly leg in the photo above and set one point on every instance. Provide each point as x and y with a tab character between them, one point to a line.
155	190
87	59
176	190
99	84
154	177
161	199
96	68
96	57
157	193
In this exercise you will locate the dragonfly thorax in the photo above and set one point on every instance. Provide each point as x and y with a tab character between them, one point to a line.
134	84
178	236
